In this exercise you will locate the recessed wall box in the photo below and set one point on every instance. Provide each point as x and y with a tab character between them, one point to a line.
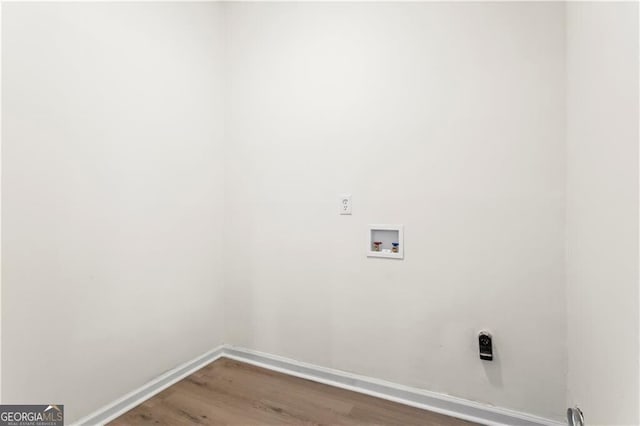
385	241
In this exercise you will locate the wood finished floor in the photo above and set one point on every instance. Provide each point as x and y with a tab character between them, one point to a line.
228	392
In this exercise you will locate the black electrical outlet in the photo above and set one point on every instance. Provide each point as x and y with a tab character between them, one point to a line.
486	346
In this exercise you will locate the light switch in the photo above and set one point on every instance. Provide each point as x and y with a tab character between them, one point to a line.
345	204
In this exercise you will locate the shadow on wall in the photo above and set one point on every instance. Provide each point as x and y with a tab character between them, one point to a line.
493	369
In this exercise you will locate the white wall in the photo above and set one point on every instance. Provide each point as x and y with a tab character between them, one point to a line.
154	165
112	196
0	205
445	117
602	139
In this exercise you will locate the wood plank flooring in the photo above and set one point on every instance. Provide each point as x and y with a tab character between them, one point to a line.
228	392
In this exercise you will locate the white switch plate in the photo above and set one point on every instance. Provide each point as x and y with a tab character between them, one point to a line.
345	204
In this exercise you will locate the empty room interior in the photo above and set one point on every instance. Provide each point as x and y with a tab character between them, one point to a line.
319	213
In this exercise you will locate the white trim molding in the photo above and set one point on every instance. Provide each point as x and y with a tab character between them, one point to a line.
121	405
431	401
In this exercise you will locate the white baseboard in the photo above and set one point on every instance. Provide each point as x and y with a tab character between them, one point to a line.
432	401
120	406
436	402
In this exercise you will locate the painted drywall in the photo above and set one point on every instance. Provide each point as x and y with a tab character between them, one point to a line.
150	155
0	205
602	211
112	196
445	117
